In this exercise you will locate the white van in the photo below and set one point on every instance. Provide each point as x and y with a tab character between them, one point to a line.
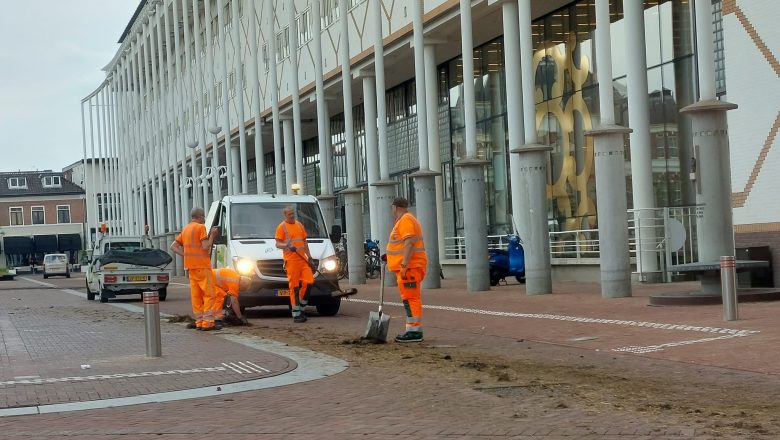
246	243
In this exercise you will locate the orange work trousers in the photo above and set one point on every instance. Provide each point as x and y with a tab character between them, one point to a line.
300	277
410	295
219	302
202	297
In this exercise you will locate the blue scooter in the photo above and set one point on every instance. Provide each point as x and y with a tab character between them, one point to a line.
506	263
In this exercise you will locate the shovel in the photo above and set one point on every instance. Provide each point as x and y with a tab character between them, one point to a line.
378	322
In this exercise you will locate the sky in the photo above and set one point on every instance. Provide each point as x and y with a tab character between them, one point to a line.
52	53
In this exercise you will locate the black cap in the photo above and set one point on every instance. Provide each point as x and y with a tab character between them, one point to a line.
400	202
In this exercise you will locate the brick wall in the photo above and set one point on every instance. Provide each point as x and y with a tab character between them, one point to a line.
77	213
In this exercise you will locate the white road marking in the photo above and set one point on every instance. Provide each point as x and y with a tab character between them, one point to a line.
728	333
258	367
109	376
233	368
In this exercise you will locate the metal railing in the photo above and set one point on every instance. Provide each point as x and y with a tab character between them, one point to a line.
666	235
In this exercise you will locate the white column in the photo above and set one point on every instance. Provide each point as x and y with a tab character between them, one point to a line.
641	150
211	90
239	85
101	138
113	153
289	154
295	93
270	14
705	50
176	111
148	127
386	187
256	105
472	168
424	178
233	173
205	121
352	195
87	179
610	172
165	114
434	147
157	138
190	136
323	121
372	152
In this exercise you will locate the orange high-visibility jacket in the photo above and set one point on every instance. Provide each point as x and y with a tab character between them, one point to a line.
191	238
227	279
297	234
407	226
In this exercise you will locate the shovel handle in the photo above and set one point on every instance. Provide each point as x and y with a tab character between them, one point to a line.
382	269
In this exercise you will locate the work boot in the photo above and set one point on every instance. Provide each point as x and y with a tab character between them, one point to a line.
409	337
300	318
217	325
208	329
192	326
244	322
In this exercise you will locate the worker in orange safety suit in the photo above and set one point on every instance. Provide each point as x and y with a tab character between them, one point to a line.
228	283
194	244
291	238
406	257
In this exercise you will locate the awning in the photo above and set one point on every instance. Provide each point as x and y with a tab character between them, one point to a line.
69	242
18	245
45	243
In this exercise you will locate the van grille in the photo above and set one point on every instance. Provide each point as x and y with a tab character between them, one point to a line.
274	268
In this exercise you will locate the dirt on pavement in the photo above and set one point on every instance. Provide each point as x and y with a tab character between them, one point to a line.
717	403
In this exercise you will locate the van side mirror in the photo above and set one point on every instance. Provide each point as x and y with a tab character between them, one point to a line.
335	234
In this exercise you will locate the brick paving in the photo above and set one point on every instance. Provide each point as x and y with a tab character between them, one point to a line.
574	326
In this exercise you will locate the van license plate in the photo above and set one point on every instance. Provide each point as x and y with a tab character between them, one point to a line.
282	292
137	278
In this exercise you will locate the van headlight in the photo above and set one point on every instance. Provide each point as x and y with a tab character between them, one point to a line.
329	264
244	266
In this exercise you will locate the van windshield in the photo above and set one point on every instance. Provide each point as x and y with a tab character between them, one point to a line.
259	220
127	246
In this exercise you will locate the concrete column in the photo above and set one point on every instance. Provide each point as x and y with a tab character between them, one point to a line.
205	122
531	163
155	152
256	105
214	128
87	178
174	96
295	93
99	160
191	136
472	172
148	128
289	154
610	172
711	153
353	195
270	13
242	156
166	114
231	153
434	147
326	197
386	188
424	178
372	152
641	149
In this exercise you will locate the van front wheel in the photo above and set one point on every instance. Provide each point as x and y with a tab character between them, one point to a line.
328	309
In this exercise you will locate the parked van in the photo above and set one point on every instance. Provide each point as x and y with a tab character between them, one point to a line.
246	243
55	264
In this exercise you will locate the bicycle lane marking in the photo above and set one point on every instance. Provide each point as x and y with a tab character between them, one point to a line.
724	333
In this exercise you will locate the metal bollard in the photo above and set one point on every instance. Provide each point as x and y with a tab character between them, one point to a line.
152	324
728	283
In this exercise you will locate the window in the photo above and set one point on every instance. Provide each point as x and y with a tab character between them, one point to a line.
282	44
16	215
37	215
17	183
330	12
52	182
218	93
265	56
304	27
232	84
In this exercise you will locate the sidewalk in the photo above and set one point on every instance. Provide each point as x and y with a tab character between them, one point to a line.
58	348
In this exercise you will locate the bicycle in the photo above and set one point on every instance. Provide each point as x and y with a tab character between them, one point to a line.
373	263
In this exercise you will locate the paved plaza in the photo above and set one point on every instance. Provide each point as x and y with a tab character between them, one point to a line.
497	364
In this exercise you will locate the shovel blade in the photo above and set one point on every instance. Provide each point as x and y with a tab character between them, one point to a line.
378	326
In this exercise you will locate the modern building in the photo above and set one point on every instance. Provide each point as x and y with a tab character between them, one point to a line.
40	212
518	135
